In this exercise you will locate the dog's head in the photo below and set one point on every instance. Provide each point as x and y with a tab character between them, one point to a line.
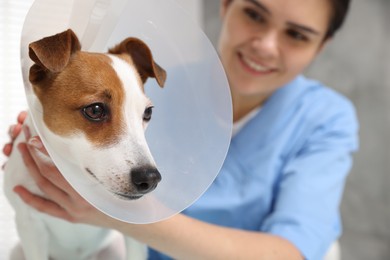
95	109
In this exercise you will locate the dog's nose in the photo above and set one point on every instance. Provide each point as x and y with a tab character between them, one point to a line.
145	179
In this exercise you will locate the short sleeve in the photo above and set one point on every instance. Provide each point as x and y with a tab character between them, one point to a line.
307	198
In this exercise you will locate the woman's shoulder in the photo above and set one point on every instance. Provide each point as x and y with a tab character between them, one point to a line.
306	105
326	112
318	98
319	115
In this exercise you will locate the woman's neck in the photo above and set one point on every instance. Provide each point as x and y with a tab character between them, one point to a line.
242	105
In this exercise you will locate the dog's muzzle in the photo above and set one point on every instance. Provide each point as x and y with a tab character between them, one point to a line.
145	179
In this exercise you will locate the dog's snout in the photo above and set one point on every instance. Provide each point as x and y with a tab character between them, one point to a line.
145	179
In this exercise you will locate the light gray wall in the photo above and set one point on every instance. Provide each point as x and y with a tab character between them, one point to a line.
357	63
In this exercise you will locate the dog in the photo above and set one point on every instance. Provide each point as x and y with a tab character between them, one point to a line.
95	111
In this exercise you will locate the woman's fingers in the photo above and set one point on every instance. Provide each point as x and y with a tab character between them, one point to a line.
60	199
41	204
13	132
51	181
7	149
45	185
45	166
64	202
26	132
21	117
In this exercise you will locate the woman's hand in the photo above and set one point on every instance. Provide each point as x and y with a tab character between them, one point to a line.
61	199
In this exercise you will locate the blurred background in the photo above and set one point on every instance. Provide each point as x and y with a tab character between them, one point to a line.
356	63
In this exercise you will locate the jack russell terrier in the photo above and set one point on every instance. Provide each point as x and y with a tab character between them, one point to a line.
95	111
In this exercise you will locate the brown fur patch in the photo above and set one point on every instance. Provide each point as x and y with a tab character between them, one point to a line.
89	78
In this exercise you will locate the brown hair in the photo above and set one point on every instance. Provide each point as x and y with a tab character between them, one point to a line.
340	10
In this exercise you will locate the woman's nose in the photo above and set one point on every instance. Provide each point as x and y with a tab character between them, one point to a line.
266	44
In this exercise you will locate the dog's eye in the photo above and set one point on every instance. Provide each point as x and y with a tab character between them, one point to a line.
95	112
148	114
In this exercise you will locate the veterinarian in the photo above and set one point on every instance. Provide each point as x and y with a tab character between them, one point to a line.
278	193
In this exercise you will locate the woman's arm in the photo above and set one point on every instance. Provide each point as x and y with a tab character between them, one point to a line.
187	238
178	236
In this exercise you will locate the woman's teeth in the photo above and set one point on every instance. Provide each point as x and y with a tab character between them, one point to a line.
255	66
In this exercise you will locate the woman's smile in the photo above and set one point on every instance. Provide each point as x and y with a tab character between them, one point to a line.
254	66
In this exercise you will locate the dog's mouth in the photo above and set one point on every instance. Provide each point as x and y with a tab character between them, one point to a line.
128	196
120	195
91	173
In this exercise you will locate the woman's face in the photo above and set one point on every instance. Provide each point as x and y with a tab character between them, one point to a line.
266	43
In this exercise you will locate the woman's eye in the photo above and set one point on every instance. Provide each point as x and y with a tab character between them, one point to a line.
148	114
95	112
254	15
297	35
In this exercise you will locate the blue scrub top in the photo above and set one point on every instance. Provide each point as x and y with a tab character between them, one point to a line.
285	170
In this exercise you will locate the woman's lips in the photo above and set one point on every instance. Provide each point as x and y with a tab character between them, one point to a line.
253	66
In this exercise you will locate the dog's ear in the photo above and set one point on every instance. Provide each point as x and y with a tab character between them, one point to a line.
143	59
52	54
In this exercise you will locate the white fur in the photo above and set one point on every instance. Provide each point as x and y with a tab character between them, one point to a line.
42	235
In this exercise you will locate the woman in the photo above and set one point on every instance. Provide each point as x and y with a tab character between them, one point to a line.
278	193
